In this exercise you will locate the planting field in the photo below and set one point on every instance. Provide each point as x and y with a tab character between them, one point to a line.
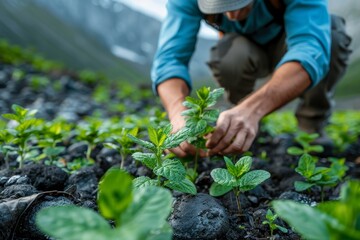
85	158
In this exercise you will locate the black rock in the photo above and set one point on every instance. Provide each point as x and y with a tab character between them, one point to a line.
199	217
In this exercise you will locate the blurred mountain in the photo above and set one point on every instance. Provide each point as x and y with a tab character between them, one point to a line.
98	34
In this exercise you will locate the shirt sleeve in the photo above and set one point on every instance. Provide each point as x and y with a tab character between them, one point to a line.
308	36
177	42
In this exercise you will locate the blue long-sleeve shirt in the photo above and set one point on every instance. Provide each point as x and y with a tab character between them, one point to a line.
306	23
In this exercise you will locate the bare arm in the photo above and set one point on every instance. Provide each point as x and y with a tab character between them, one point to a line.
237	127
172	94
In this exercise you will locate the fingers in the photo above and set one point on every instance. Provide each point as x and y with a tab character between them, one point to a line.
241	143
222	124
184	150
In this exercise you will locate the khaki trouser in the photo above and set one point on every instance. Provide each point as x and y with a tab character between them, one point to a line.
236	62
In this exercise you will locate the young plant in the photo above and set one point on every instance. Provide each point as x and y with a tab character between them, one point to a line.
50	135
270	220
200	119
236	177
319	176
329	220
25	129
92	133
5	145
139	214
305	140
169	170
124	143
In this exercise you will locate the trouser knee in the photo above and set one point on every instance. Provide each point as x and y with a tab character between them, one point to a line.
236	63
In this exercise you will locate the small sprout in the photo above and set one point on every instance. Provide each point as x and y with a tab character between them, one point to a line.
319	176
236	177
24	130
169	170
124	143
305	140
270	220
200	118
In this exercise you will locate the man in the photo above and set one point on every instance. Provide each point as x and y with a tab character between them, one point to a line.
296	41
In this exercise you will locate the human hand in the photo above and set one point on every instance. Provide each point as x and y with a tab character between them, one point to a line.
235	131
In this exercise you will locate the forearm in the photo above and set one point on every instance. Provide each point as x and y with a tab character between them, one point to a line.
172	94
288	82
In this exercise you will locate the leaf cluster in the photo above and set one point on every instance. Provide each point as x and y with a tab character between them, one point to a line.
237	176
199	118
169	169
305	140
329	220
270	220
319	176
139	214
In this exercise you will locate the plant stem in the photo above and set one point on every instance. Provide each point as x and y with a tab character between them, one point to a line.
196	160
88	152
122	160
237	194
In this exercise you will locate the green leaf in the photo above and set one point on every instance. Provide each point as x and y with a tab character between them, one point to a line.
190	112
11	116
296	151
243	165
302	218
171	169
164	233
306	166
174	140
284	230
143	181
214	95
200	127
203	93
302	186
53	151
149	159
153	136
146	144
316	148
112	146
185	186
251	179
150	208
223	177
63	222
217	190
211	115
230	166
115	193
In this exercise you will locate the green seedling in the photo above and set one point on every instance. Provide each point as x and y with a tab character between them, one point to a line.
169	170
344	129
270	220
37	83
6	140
200	119
319	176
332	220
51	134
139	214
76	165
279	123
25	128
305	140
92	133
124	143
236	177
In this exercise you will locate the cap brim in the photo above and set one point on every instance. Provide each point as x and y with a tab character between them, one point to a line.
221	6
